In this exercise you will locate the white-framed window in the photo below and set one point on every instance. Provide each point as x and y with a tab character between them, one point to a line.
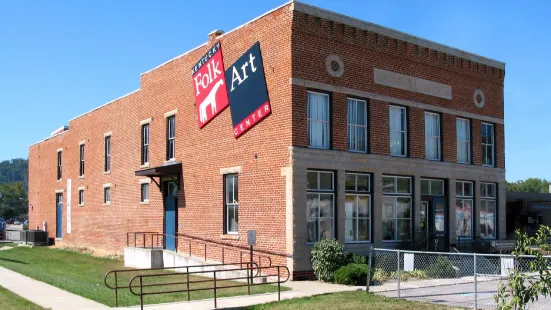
231	205
171	138
464	209
396	208
81	197
59	166
432	136
144	192
145	144
318	120
488	210
320	205
81	166
432	187
398	131
357	208
357	125
463	141
107	154
488	142
107	195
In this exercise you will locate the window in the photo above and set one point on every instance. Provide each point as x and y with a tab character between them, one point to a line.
145	144
171	138
488	214
432	187
464	209
320	204
432	136
396	208
59	170
463	141
107	195
107	154
232	203
398	131
145	192
81	197
357	208
357	125
318	120
81	171
487	144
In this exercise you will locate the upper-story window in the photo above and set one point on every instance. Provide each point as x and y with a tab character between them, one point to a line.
488	144
171	138
81	166
357	125
145	144
107	194
396	208
432	136
231	203
318	120
107	167
398	131
59	166
357	207
463	141
464	209
320	204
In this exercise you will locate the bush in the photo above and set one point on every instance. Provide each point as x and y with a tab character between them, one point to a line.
378	276
25	227
356	259
327	256
352	274
443	268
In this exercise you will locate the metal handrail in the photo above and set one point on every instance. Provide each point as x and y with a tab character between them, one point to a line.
115	274
215	287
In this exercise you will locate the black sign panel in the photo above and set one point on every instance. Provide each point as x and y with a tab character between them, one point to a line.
247	91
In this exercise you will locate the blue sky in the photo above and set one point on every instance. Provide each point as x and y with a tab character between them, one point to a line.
59	59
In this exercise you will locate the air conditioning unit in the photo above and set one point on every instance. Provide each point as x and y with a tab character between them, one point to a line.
34	237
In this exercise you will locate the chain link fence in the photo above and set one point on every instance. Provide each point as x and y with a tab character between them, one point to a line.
452	279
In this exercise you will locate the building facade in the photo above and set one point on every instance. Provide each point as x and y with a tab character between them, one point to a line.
371	136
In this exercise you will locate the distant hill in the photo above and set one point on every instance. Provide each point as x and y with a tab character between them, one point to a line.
14	170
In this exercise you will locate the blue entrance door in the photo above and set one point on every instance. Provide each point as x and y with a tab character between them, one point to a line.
59	215
171	196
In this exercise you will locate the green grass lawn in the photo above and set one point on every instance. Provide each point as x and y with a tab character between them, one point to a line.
346	301
9	300
83	274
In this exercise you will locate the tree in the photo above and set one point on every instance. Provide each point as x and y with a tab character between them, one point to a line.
14	200
15	170
532	185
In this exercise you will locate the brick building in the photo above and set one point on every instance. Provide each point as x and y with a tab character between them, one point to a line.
374	136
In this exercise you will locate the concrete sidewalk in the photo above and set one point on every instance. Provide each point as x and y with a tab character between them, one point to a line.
43	294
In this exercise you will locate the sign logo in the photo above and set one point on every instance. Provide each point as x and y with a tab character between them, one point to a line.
247	91
208	80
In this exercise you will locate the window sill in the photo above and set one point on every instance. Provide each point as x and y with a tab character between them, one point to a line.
358	242
400	156
146	165
58	239
488	166
107	203
81	177
357	152
170	161
146	202
317	147
58	180
81	205
107	172
229	237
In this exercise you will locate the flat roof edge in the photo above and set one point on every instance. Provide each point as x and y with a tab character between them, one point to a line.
354	22
103	105
50	137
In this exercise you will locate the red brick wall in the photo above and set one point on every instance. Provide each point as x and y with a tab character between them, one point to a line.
379	132
416	122
261	152
449	137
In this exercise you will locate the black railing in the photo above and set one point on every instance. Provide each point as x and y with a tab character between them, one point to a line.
251	267
473	245
138	282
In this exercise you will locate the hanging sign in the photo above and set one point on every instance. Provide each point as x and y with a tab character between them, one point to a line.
209	85
247	91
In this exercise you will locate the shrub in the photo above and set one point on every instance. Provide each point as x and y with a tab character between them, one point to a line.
327	256
443	268
356	259
352	274
25	227
378	275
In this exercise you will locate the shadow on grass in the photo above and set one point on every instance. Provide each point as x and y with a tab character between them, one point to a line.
14	261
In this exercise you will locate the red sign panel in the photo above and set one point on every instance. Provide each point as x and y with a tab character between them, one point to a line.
209	84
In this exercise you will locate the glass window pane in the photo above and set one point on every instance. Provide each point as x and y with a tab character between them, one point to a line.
363	230
312	228
326	205
468	189
229	189
312	205
389	185
350	229
350	182
459	188
404	229
235	189
425	187
403	185
363	182
388	229
326	181
491	190
349	205
388	207
326	228
363	206
312	180
437	187
403	207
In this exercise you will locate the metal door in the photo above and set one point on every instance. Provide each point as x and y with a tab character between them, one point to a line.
59	216
171	196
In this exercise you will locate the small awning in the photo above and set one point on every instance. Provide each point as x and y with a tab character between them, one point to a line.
174	169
